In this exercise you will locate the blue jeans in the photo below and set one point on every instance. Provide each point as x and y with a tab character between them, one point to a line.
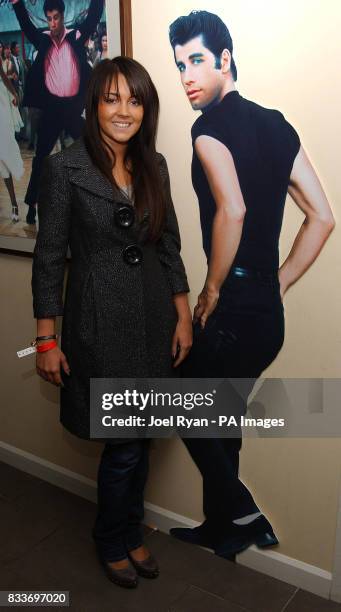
241	338
122	475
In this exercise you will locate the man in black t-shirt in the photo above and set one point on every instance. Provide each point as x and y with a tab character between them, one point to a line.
246	159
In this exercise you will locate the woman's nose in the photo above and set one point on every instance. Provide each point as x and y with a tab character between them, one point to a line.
122	109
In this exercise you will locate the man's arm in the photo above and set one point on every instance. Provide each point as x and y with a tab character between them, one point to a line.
221	174
89	25
307	192
26	25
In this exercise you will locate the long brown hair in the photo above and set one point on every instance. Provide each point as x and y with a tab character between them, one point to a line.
141	152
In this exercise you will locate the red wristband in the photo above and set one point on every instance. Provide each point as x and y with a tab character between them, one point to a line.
42	348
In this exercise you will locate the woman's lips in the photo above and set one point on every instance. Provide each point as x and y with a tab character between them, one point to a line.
122	124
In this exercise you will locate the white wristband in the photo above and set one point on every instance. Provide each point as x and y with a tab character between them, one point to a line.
26	351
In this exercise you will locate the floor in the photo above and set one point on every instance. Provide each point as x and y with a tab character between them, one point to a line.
46	544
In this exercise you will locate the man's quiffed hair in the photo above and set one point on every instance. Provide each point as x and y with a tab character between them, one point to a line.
54	5
213	30
13	45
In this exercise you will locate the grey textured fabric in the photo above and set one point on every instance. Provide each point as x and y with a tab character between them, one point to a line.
118	318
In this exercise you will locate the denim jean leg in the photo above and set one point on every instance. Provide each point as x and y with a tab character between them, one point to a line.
134	534
116	474
225	495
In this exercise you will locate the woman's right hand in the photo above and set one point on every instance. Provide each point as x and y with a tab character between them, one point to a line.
48	365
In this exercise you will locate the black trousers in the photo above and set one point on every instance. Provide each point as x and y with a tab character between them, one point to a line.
241	338
122	475
58	115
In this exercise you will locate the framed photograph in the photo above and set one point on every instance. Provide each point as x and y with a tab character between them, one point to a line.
46	57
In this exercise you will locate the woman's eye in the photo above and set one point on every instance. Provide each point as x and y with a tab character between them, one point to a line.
134	101
111	99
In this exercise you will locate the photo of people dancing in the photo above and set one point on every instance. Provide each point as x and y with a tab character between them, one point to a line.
57	80
126	312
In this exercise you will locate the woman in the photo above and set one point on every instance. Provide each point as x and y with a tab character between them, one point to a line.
7	63
11	163
12	75
126	311
103	49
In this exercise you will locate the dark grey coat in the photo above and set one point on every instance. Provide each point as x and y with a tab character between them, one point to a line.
118	318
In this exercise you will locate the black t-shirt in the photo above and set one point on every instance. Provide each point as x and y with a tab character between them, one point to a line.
263	146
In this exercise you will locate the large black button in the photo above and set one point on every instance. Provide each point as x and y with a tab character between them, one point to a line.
132	254
124	215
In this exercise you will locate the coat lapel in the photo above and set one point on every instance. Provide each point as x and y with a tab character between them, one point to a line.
83	172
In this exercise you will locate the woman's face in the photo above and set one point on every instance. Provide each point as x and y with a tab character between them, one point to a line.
7	52
120	114
104	42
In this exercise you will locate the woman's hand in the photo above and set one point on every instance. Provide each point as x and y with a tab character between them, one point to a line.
15	101
182	339
207	301
48	365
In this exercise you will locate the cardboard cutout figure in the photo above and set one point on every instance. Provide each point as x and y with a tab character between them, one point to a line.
246	158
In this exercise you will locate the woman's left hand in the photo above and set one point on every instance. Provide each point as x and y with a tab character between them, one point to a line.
182	340
207	301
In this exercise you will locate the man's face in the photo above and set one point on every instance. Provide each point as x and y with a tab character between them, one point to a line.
55	21
16	51
201	80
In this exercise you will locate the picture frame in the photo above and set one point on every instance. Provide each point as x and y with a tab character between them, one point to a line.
119	33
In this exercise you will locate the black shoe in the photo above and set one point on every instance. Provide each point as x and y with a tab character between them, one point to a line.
126	577
198	535
147	568
31	215
257	532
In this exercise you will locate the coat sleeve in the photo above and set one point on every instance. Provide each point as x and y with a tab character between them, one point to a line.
26	25
49	258
89	25
169	245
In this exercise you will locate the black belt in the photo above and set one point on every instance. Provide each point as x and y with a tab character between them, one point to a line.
251	273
